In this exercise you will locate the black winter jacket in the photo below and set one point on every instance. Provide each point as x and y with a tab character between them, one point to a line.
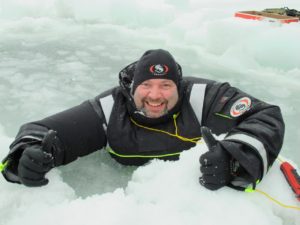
110	120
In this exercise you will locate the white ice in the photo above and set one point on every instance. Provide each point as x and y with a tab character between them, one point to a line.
57	53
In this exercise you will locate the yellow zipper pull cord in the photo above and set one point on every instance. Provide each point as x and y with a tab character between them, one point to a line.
150	128
276	201
175	123
251	190
193	140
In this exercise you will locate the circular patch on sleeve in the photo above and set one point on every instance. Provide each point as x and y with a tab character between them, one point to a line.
240	107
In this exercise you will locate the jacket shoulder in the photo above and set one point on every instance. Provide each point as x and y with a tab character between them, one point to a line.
112	91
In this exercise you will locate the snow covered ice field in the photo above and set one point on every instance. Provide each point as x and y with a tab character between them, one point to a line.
55	54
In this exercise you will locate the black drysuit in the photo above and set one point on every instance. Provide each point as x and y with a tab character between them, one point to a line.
111	120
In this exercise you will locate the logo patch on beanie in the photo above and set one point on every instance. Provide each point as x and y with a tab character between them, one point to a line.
159	69
240	106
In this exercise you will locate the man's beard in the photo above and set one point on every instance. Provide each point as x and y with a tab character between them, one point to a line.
147	114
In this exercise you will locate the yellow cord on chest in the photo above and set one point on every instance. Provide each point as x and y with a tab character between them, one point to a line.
176	135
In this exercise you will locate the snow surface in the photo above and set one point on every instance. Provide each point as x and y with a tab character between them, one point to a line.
55	54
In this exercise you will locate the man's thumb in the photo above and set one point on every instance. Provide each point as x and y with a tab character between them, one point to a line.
209	139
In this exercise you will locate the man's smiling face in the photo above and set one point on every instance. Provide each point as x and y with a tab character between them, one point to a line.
155	97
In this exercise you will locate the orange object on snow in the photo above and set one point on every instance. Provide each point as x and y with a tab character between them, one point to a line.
292	177
271	17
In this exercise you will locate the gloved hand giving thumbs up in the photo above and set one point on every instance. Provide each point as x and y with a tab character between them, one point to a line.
36	161
215	164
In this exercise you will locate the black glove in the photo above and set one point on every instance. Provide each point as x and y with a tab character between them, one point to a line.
36	161
215	164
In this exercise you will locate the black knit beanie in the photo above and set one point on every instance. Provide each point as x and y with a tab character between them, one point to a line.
155	64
